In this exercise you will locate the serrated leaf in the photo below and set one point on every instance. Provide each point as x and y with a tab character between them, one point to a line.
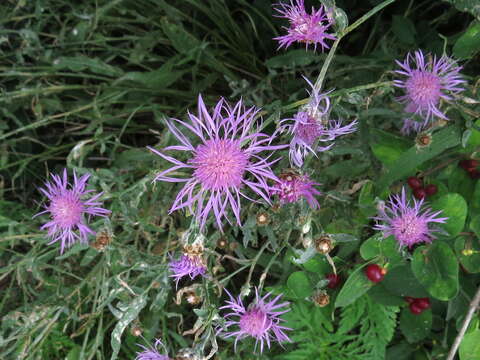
435	266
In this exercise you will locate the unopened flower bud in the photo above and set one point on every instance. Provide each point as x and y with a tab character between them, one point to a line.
136	331
423	140
307	242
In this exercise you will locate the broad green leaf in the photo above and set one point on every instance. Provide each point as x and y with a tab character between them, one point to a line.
401	281
299	284
356	285
469	43
471	6
378	246
414	157
388	148
381	295
318	264
435	266
366	199
468	252
455	208
415	327
470	346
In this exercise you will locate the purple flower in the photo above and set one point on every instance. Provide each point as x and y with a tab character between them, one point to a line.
426	82
151	353
292	187
408	224
67	208
188	265
227	161
312	125
260	320
305	28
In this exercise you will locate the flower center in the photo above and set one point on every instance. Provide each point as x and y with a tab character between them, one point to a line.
307	128
423	88
287	189
219	164
66	210
255	322
409	229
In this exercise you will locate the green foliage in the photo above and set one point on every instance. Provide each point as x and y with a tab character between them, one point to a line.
363	331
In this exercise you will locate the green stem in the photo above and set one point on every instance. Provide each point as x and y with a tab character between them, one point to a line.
328	60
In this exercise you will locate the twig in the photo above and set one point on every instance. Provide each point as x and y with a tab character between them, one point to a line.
471	310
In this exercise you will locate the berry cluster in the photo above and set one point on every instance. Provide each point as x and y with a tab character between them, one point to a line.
471	167
420	191
417	305
375	273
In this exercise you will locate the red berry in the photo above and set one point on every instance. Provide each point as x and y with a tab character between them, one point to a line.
468	164
431	189
333	281
415	309
414	182
375	273
419	193
474	174
423	303
409	299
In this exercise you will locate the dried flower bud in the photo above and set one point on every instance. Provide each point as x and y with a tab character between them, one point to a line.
423	140
136	331
102	240
155	285
192	298
324	244
263	219
321	298
222	243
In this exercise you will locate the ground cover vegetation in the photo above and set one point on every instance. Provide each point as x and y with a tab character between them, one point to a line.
239	179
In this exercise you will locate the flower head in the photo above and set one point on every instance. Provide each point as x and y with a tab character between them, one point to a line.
260	320
67	206
305	28
228	160
408	224
190	265
426	82
311	125
292	187
151	353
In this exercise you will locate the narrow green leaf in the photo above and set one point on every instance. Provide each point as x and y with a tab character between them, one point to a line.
356	285
414	157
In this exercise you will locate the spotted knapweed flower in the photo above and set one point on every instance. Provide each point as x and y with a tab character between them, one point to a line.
68	206
410	224
426	82
304	27
151	353
187	265
260	320
311	125
292	187
229	159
